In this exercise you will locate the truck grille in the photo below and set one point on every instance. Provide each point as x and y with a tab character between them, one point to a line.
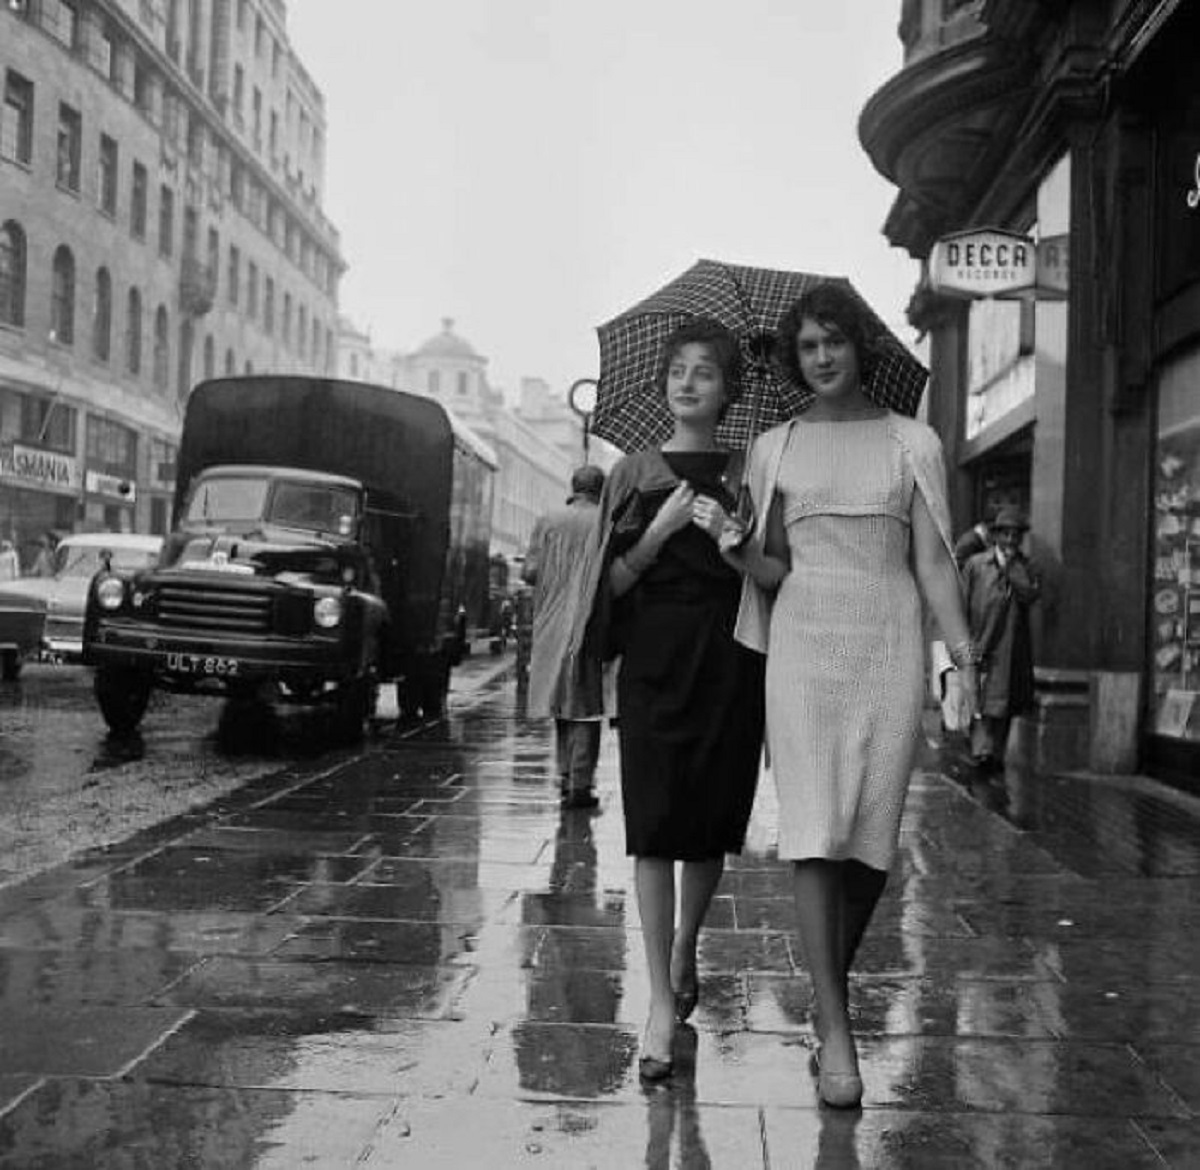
199	607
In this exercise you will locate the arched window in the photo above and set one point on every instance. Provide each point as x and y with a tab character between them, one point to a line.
133	332
462	383
12	274
62	297
210	357
162	348
230	363
102	317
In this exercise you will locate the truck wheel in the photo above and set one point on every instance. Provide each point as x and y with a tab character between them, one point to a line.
10	665
123	695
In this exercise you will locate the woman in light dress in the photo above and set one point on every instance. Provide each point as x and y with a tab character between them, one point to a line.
852	536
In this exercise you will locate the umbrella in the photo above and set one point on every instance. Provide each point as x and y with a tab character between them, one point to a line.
630	412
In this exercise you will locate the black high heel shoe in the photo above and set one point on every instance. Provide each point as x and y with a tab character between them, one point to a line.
686	1001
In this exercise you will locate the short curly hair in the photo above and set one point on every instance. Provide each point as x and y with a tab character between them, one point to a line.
829	304
720	341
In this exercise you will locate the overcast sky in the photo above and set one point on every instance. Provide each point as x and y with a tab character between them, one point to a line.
532	167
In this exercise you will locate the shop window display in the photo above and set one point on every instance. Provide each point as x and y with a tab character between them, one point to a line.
1175	591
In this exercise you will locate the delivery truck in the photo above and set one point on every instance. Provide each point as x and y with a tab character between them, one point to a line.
327	537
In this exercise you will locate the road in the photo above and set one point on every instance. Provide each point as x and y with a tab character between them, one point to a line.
66	786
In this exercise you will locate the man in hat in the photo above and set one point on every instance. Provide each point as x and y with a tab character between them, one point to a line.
568	690
1001	583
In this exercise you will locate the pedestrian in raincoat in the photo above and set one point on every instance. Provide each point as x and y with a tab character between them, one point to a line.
1000	584
569	690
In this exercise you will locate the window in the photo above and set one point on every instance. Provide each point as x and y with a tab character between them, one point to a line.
137	202
133	332
12	274
251	289
195	140
316	341
187	343
111	447
191	232
102	316
239	92
435	382
260	36
104	54
210	356
230	363
16	124
62	297
166	220
235	261
302	331
213	257
173	43
141	85
273	136
48	423
162	348
256	112
269	305
276	56
287	319
60	18
106	178
70	134
242	8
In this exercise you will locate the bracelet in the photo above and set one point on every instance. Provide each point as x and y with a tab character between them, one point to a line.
965	653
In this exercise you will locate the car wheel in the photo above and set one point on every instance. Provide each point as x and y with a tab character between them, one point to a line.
123	695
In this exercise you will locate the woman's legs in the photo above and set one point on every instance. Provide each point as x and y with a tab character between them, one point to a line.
862	887
654	880
698	883
818	890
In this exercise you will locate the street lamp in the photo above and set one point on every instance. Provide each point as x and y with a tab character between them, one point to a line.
582	400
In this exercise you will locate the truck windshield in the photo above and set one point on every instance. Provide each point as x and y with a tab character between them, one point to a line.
323	507
225	498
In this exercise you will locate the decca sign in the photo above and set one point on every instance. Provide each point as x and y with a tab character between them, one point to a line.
988	262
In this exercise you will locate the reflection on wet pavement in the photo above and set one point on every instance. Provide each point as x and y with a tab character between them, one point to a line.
414	958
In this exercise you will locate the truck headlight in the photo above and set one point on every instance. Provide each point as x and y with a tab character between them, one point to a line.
327	612
110	593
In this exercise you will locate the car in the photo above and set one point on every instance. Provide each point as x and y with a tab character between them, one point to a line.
62	598
22	624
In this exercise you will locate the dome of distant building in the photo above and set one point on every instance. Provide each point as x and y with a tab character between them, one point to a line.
447	344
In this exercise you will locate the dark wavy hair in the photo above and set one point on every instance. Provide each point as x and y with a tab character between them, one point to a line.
830	305
724	347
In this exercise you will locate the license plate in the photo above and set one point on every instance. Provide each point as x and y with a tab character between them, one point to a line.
210	664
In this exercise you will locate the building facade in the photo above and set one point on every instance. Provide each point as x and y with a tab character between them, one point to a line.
161	175
537	444
1075	126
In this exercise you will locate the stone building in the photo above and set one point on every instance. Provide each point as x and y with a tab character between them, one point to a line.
1075	127
535	447
161	174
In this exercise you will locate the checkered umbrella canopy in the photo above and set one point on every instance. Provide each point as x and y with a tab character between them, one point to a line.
750	301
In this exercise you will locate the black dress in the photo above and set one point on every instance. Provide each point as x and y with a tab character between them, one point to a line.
689	698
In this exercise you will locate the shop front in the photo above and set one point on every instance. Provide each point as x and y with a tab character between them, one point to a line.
1172	740
40	476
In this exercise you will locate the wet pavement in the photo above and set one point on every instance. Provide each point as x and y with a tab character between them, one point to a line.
411	957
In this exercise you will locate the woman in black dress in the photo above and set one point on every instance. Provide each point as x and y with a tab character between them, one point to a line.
689	698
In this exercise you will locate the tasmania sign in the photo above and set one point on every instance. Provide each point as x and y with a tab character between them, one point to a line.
987	262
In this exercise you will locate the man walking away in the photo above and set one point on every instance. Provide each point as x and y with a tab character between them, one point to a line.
570	692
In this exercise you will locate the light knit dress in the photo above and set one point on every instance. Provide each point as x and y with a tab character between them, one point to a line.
845	680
